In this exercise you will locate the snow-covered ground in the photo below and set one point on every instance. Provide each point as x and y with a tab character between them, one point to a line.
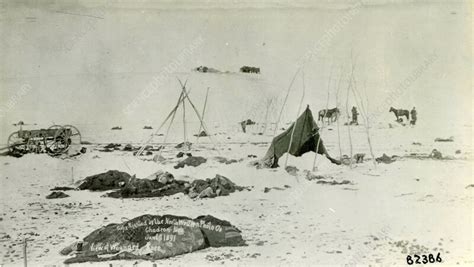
384	214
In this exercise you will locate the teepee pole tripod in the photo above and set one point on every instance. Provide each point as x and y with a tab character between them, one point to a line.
171	114
186	96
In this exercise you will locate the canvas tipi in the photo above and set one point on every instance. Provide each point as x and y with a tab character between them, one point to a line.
303	138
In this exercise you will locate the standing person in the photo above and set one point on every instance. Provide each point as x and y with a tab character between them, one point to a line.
413	114
354	116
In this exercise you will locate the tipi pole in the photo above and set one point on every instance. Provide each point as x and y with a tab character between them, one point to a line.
25	255
199	116
296	121
349	125
184	123
169	126
140	151
322	125
337	119
203	112
357	95
266	116
286	98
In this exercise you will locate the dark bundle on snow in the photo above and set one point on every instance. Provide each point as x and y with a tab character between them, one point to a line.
190	161
205	69
226	161
217	186
310	176
333	182
17	153
181	154
62	188
267	189
128	147
186	145
450	139
386	159
55	194
113	146
105	181
202	134
153	237
160	184
248	122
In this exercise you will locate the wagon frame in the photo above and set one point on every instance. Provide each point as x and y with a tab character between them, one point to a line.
55	140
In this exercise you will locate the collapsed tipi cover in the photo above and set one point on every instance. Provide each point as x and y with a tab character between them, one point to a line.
305	139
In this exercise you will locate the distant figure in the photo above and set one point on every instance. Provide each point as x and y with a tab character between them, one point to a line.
400	113
354	116
413	114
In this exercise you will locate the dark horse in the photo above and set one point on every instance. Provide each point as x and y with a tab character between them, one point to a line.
331	114
400	113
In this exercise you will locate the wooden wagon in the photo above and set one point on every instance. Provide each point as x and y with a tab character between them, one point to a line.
55	140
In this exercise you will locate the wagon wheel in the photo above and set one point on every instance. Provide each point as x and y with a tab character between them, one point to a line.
34	142
74	134
15	143
74	137
58	142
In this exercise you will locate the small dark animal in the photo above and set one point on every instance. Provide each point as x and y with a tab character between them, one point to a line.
400	113
331	114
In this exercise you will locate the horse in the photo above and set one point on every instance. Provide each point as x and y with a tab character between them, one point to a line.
331	114
400	113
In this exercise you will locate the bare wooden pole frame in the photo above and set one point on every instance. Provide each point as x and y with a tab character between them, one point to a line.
186	96
296	121
365	116
269	103
337	120
140	151
322	125
184	125
286	98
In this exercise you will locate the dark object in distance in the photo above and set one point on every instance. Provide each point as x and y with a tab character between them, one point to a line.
385	159
248	69
450	139
62	188
58	194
